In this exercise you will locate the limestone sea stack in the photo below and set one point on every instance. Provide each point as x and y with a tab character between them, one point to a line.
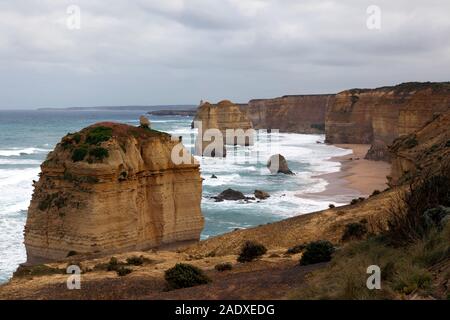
222	116
278	164
111	188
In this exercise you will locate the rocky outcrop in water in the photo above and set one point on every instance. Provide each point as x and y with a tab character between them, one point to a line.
299	113
230	194
278	164
379	116
262	195
111	188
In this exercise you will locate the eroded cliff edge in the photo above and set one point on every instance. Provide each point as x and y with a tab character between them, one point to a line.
423	152
111	188
379	116
295	113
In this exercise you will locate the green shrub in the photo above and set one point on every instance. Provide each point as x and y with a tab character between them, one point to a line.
376	192
184	276
251	251
317	251
434	217
99	153
38	270
411	142
98	134
354	231
354	201
331	206
122	271
407	221
136	261
77	137
113	264
71	253
226	266
296	249
79	154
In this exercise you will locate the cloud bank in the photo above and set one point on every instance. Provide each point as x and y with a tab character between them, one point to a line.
180	51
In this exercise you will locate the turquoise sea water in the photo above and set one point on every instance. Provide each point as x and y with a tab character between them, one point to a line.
27	136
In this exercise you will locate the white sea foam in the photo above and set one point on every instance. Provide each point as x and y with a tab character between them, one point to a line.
21	151
19	161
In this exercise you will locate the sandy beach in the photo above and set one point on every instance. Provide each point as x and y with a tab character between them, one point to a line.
358	177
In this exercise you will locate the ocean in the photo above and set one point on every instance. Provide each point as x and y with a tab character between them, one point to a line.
27	136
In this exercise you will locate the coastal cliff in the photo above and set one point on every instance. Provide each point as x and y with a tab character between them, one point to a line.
379	116
298	114
222	116
423	152
111	188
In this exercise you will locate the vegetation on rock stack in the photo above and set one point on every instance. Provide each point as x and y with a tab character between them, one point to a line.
79	154
184	275
98	134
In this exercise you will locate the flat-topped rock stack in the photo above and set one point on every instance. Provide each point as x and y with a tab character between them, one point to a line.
223	117
111	188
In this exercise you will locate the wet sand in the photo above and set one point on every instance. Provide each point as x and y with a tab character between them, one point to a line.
358	177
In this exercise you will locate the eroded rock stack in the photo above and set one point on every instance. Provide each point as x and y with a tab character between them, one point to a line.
111	188
222	116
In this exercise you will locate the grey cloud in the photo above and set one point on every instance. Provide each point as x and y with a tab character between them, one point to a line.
180	51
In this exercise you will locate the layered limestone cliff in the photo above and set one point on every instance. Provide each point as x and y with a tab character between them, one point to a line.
111	188
222	118
379	116
424	152
299	113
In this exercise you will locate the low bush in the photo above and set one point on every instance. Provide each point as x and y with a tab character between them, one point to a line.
136	261
71	253
411	142
331	206
78	154
98	135
317	251
226	266
296	249
99	153
122	271
354	231
184	275
375	192
415	212
38	270
113	264
250	251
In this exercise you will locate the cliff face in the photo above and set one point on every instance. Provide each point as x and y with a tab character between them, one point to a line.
222	116
300	114
424	152
379	116
110	188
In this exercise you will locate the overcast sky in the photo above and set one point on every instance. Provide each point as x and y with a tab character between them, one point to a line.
148	52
